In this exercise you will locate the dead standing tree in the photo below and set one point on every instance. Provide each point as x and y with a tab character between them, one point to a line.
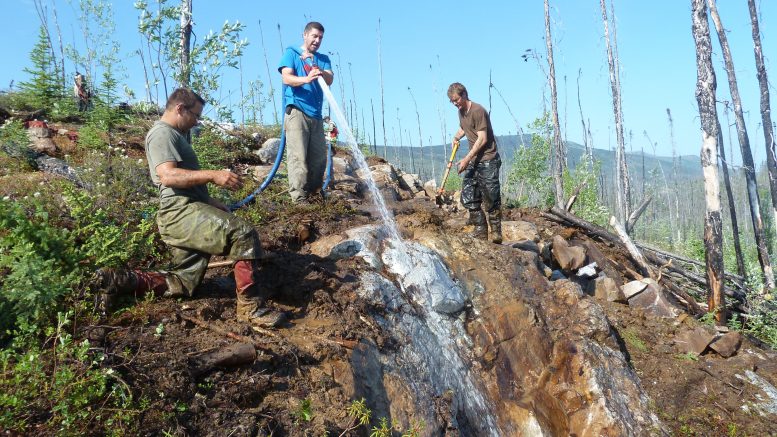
186	39
623	189
731	206
705	97
747	155
560	154
766	117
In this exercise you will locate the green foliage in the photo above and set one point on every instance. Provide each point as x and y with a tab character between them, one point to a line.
213	148
529	181
587	205
15	155
359	411
105	242
690	356
382	429
92	137
161	28
39	267
73	396
632	339
761	322
304	412
254	101
453	183
44	90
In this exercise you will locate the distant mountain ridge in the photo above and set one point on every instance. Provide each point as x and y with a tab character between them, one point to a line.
688	166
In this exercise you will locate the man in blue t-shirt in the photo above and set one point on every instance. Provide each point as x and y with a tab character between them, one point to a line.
303	98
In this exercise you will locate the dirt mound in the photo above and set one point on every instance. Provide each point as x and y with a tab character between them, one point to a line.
179	357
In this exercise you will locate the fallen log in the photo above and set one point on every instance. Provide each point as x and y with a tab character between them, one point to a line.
636	255
233	355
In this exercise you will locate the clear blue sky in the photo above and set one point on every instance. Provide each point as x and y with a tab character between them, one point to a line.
426	45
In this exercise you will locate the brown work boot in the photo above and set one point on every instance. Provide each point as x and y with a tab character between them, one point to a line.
495	221
478	218
250	307
111	283
251	310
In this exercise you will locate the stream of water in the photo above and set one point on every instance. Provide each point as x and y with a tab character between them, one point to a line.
437	347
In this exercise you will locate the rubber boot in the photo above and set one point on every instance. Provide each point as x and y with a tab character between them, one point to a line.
495	221
478	218
112	283
250	307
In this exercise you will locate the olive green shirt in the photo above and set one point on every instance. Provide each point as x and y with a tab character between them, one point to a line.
164	143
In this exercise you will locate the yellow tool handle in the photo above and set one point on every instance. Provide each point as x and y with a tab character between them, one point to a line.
448	168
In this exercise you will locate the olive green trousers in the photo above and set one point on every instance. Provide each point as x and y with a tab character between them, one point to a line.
194	231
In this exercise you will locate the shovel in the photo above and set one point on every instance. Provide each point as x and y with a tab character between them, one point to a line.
438	199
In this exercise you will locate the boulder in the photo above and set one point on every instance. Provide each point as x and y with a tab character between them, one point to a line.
528	245
728	344
633	288
652	300
269	150
341	166
693	341
605	288
430	188
517	230
410	182
44	145
569	258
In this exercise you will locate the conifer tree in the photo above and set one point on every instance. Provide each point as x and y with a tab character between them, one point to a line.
43	90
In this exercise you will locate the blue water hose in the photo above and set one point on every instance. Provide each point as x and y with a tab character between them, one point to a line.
329	164
278	158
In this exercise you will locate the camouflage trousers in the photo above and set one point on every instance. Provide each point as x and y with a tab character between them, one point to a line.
480	182
194	231
306	153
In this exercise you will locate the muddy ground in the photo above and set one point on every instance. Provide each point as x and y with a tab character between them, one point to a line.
157	348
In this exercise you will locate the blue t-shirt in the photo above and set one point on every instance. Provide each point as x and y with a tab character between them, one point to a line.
308	97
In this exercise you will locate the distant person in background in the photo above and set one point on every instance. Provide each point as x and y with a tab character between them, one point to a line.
192	224
330	131
480	167
303	99
80	92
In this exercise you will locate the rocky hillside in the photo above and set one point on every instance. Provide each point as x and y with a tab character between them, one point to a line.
555	332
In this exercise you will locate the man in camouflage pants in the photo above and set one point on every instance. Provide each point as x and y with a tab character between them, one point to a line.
480	167
193	224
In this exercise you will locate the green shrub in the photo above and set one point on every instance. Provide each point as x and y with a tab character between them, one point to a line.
213	149
62	390
104	241
15	155
529	181
587	205
39	266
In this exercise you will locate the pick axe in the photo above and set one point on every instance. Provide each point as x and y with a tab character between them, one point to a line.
438	199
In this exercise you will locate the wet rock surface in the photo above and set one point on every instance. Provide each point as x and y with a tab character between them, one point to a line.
546	357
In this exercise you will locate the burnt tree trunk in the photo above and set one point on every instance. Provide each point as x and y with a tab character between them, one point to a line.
766	112
705	97
623	189
747	155
186	39
559	162
675	187
731	206
589	154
